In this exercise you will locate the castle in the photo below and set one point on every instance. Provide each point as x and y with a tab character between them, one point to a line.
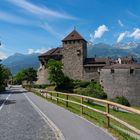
121	77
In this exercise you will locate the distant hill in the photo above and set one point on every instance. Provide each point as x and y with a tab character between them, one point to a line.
19	61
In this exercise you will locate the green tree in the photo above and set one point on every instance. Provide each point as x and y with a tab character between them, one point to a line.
20	76
56	74
4	76
28	75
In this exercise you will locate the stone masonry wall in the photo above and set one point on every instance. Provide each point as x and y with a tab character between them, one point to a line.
73	63
42	76
122	83
91	74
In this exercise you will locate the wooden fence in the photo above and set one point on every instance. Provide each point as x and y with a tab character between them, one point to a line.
107	104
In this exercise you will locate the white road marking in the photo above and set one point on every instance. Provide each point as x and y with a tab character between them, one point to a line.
4	102
55	129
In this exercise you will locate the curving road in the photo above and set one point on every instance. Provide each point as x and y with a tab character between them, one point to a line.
25	116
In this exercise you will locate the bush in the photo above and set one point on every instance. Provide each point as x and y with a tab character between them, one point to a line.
38	86
92	92
79	83
66	84
121	100
2	88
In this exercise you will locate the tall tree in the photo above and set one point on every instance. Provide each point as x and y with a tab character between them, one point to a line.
29	75
56	74
4	76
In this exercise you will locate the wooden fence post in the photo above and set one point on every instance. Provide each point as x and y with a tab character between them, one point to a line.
57	98
51	95
81	105
107	112
67	98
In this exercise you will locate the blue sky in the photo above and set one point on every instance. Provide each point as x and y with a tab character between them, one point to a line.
28	26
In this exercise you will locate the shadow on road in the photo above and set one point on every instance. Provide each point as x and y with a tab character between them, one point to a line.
7	102
13	92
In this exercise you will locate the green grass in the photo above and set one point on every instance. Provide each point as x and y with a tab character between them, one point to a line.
137	107
100	119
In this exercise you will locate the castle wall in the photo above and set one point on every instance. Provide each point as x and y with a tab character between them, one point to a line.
122	83
42	76
73	58
91	74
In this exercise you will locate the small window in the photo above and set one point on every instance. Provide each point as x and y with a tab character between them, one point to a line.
131	70
78	52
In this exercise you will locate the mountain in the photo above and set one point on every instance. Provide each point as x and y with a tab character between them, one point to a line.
19	61
115	50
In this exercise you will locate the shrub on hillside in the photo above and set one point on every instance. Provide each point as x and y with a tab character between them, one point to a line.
121	100
92	90
79	83
66	84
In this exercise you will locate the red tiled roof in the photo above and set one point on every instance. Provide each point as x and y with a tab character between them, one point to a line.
74	35
54	51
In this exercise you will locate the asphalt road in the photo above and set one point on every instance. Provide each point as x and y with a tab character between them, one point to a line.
19	120
25	116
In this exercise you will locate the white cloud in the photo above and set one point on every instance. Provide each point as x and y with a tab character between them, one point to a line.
42	50
135	34
91	38
2	55
7	17
122	36
98	33
51	30
40	11
132	14
10	18
120	23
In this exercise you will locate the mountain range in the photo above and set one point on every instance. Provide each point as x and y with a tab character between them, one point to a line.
115	50
19	61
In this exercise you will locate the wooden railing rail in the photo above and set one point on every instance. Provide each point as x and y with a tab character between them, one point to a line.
105	102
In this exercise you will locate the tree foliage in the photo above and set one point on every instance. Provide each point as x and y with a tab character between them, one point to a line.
20	76
28	75
56	74
4	76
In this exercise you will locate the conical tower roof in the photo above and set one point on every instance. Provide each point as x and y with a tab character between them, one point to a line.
74	35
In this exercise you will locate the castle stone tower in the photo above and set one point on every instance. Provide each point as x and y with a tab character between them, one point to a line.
74	55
